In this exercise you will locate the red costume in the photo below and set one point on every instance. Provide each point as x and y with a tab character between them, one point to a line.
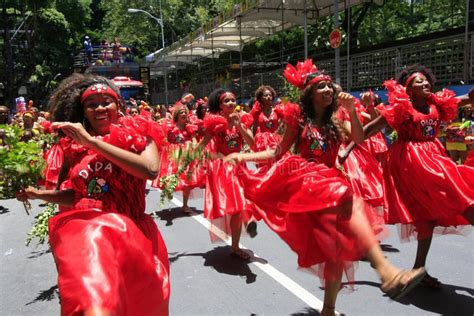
224	194
266	136
291	194
194	175
108	252
365	173
423	187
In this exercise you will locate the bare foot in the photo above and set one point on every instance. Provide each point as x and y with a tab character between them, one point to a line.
186	209
239	253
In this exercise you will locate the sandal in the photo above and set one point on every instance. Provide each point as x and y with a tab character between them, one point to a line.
240	254
396	289
430	282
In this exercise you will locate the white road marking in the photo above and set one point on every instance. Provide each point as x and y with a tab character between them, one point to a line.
297	290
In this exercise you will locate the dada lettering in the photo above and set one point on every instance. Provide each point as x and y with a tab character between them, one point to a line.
95	167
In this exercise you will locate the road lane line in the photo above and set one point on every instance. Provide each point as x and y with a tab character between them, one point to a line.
296	289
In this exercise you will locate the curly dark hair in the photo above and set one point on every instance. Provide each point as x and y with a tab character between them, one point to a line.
407	72
65	102
261	89
213	104
201	110
306	101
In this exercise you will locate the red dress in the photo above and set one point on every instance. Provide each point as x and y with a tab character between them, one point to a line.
224	193
423	187
108	252
291	194
365	175
54	157
267	126
470	159
193	176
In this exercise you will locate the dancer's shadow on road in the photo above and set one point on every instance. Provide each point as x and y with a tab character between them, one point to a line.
388	248
169	215
448	300
220	259
46	295
39	253
3	209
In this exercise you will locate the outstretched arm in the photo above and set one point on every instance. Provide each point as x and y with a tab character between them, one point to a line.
276	153
61	197
369	130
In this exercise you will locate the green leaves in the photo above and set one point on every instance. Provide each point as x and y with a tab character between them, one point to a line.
40	225
182	157
21	163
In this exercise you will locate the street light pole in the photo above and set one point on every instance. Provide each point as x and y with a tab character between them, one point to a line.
163	55
160	22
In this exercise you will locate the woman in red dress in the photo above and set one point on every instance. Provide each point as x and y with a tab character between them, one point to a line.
110	256
307	200
267	118
179	134
227	130
424	190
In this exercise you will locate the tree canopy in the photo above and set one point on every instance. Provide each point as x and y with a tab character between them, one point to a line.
50	32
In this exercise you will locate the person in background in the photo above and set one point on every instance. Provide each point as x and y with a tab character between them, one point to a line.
88	48
4	115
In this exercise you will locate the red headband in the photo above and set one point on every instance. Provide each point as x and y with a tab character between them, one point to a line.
319	78
99	88
413	76
224	95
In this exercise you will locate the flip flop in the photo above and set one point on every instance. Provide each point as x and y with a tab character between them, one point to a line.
394	289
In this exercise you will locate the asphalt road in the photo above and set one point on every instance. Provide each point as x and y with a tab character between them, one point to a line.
205	280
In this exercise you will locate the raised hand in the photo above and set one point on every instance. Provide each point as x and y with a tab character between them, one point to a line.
367	99
346	100
74	130
234	119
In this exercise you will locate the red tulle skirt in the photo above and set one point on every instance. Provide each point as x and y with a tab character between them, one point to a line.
424	188
224	195
292	196
365	176
110	261
193	177
54	159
